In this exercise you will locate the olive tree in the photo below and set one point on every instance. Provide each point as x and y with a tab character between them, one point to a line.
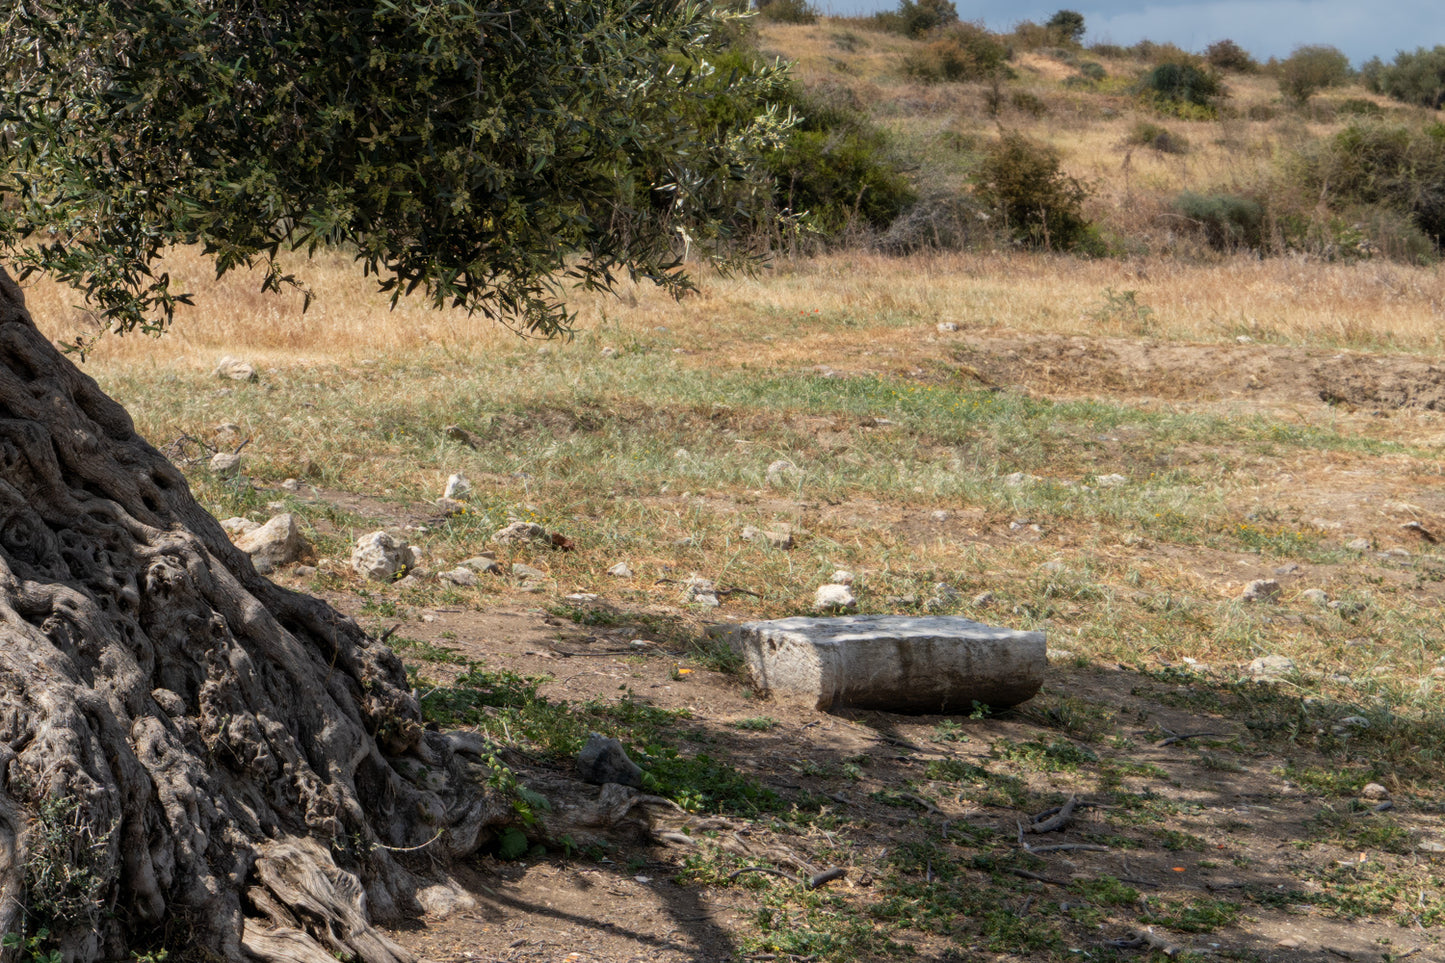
185	747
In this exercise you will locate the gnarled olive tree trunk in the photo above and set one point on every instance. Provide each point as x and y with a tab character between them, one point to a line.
184	746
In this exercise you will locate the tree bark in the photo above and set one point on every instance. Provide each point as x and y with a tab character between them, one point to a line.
188	751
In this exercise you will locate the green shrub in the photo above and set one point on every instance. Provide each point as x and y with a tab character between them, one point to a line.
1027	103
1155	137
1359	107
1093	70
1310	69
1028	35
1067	26
1228	55
1415	78
914	18
1175	84
1229	222
964	51
1040	206
788	11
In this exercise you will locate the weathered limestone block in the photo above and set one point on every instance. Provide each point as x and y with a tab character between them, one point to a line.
893	662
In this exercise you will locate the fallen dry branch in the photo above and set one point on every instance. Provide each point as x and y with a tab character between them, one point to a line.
1061	818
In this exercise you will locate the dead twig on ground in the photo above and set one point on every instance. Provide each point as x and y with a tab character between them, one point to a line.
1061	818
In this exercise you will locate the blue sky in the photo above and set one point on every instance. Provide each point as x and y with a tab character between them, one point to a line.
1265	28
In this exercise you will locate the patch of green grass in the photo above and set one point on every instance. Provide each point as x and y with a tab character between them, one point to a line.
756	724
1105	890
1197	915
1056	755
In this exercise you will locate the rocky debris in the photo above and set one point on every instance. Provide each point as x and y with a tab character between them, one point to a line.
583	598
238	526
893	662
983	600
843	577
457	487
450	506
1261	590
700	591
527	572
1019	479
944	596
234	369
1373	790
291	485
381	556
521	532
1271	668
835	598
1110	481
620	570
225	463
482	564
603	761
783	472
1417	529
278	542
1315	596
304	571
946	327
783	540
1358	545
460	576
1289	569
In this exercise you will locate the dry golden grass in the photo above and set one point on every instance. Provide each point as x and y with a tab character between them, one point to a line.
855	297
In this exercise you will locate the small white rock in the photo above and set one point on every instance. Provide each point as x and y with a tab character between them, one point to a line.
225	463
1271	668
834	598
945	327
1261	590
380	556
1373	790
291	485
235	369
1110	481
238	526
620	570
461	576
843	577
520	532
1315	596
1358	545
701	591
457	487
526	572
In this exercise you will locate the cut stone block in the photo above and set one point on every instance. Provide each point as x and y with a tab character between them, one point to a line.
893	662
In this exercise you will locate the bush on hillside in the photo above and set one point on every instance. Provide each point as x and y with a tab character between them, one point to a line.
914	18
1310	69
1229	222
1038	204
1379	166
1028	35
1155	137
1228	55
1415	78
943	223
1067	26
788	11
962	52
1175	86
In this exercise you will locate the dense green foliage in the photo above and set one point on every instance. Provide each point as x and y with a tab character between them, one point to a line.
1229	222
1067	25
788	11
962	52
914	18
486	155
1176	83
1415	78
1228	55
1040	205
1311	69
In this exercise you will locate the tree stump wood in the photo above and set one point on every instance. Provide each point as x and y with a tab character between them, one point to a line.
230	763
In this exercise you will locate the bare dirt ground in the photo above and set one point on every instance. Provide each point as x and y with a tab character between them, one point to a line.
1237	821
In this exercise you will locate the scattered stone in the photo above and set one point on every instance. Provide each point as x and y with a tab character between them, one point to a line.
843	577
450	506
582	598
944	596
1271	668
983	600
527	572
700	591
1261	590
380	556
892	662
1059	655
461	575
1290	569
1353	722
939	516
1019	523
946	327
457	487
782	540
835	598
1289	942
482	564
620	570
1395	553
291	485
1110	481
901	601
521	532
1373	790
279	542
603	761
225	463
304	571
1315	596
1358	545
238	526
782	472
608	352
235	369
